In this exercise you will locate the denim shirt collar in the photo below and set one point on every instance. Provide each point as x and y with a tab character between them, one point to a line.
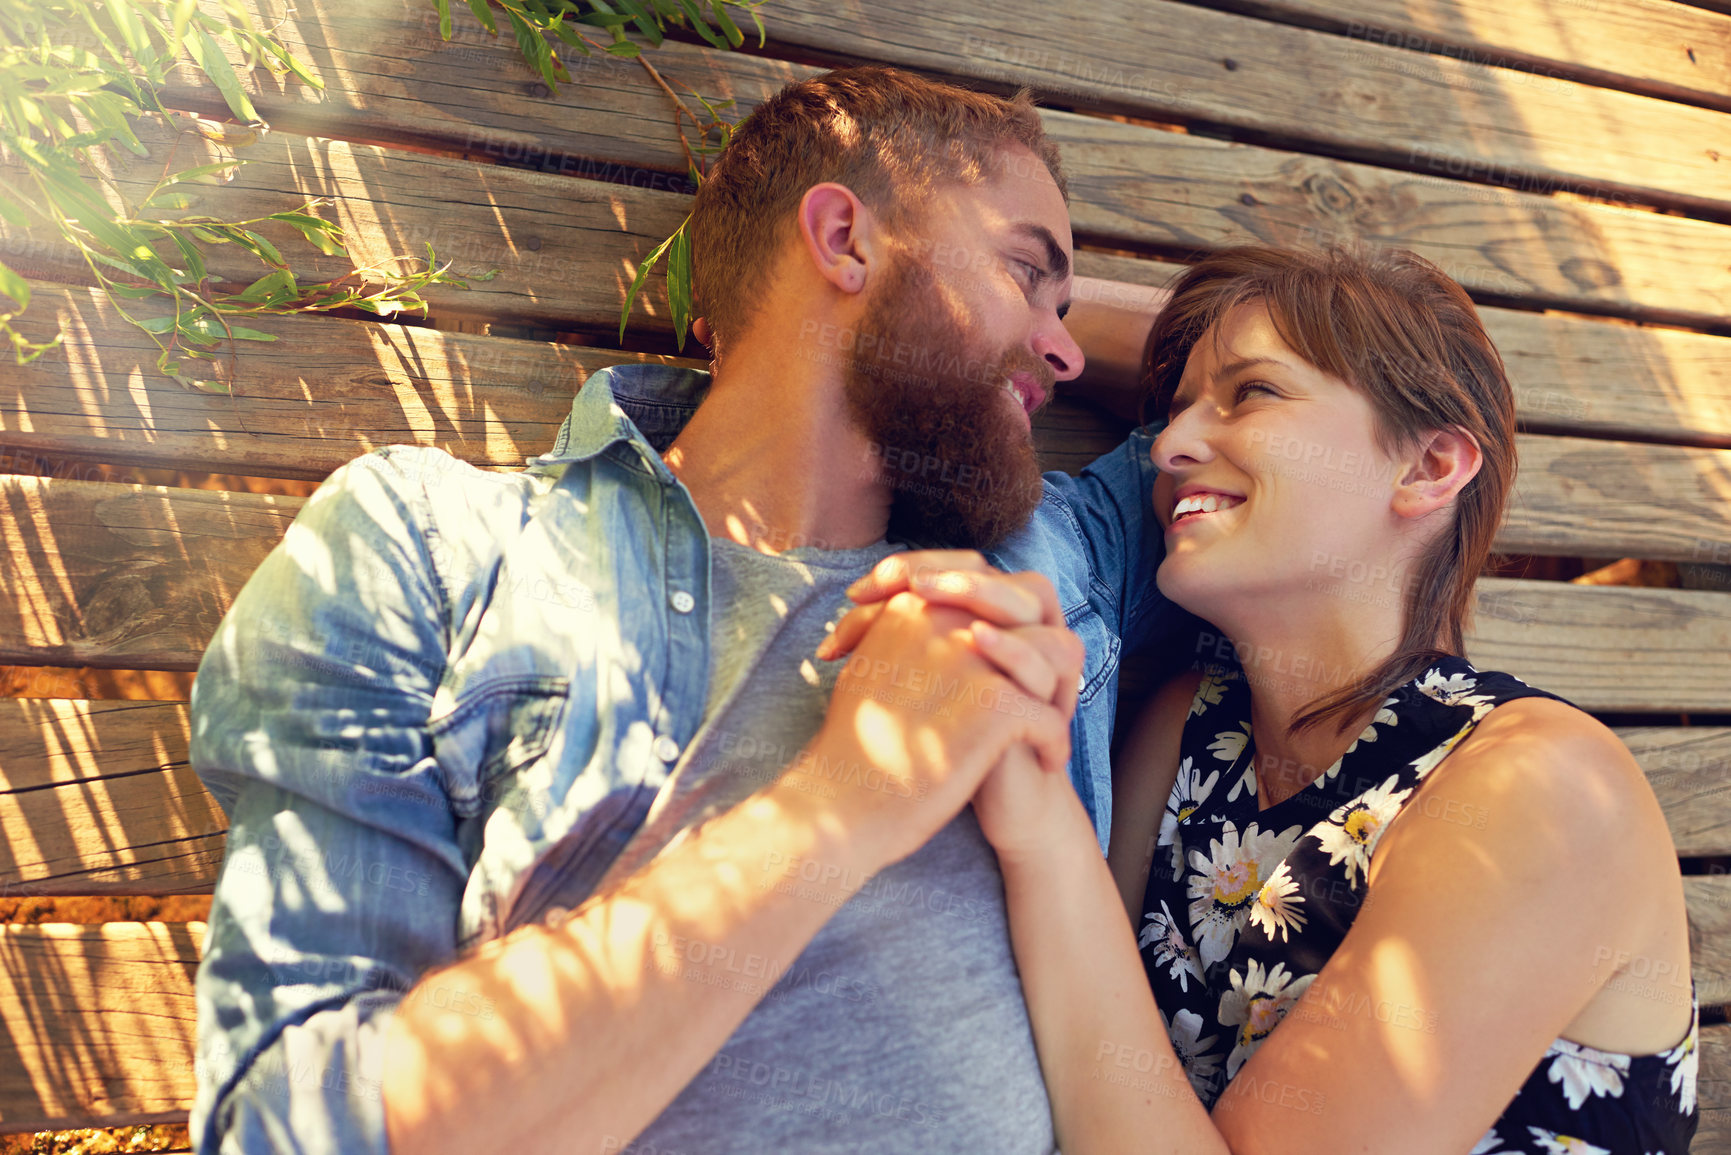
641	405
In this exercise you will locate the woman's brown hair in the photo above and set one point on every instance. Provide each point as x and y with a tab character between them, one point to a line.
1400	331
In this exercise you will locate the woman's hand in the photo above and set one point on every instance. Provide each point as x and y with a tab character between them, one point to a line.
1028	812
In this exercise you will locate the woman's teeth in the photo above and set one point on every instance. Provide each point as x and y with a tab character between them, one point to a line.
1204	503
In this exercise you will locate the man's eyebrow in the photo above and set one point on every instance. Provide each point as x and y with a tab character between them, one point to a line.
1055	258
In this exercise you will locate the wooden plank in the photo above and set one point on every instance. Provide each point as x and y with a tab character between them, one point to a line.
1689	768
97	1023
1657	47
1609	648
565	249
96	797
133	576
390	79
1709	901
1572	374
1615	499
327	391
1179	194
1713	1092
99	798
1171	61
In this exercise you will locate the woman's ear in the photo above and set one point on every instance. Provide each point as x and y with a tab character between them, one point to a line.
832	224
1440	466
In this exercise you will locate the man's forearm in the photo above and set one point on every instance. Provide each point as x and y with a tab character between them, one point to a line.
597	1026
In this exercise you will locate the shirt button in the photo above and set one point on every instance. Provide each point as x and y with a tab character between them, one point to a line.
683	602
666	748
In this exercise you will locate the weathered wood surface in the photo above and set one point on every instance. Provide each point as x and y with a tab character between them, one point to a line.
1709	899
1571	374
390	79
1608	648
1713	1092
139	576
1617	499
1305	88
97	1023
327	391
565	250
1689	768
1657	47
98	797
97	1027
126	576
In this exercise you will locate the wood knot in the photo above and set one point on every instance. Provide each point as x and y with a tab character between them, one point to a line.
1229	64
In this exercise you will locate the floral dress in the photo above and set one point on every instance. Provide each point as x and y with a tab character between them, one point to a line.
1245	906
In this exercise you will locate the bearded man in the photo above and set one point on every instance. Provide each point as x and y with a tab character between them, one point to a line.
560	822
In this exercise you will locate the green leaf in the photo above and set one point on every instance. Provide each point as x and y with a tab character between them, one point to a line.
14	286
207	327
262	248
679	283
643	271
728	28
13	213
484	14
323	235
273	288
208	54
202	170
156	324
535	48
189	253
444	7
624	48
121	13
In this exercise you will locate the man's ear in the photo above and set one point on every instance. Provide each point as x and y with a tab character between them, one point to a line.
1437	469
834	224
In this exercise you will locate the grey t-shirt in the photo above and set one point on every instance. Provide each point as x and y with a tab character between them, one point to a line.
901	1026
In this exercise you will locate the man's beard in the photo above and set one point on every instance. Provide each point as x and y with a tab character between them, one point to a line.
960	463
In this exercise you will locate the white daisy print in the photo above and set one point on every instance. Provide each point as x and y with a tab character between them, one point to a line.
1255	1005
1454	690
1554	1144
1585	1072
1384	717
1488	1144
1684	1061
1276	907
1207	694
1203	1068
1188	792
1351	833
1228	746
1227	880
1166	936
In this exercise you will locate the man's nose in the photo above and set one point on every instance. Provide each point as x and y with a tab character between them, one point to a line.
1058	349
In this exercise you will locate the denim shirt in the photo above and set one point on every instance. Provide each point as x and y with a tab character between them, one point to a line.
447	699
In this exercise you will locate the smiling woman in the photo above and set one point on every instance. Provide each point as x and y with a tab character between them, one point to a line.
1385	900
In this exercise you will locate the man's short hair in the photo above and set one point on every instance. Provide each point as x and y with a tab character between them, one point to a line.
892	137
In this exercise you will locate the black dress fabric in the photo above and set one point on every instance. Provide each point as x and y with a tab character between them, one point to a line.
1245	906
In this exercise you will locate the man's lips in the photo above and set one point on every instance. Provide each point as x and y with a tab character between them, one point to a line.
1028	392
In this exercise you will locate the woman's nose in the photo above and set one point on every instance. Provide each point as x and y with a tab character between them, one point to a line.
1184	442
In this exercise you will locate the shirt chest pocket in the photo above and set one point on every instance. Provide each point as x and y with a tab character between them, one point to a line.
495	731
1102	646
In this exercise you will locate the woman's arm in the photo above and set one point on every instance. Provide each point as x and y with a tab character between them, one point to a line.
1474	949
1142	776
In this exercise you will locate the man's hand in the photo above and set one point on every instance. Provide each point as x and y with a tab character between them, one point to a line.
926	708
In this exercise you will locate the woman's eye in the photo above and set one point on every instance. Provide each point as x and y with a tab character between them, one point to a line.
1244	390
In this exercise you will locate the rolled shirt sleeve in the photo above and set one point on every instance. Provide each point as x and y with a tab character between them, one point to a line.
343	871
1113	502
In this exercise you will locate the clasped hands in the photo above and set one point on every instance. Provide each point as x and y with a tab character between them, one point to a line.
992	673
